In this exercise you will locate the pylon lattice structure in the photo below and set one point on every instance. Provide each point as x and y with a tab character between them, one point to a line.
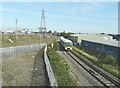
43	25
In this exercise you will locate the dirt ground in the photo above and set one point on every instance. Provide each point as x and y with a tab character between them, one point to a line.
27	69
39	77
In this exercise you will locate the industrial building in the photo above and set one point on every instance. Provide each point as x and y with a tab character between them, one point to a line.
102	47
78	37
102	44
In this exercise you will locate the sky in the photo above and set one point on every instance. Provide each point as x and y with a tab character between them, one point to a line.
79	17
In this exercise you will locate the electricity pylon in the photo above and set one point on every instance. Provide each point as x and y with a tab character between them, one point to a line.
43	25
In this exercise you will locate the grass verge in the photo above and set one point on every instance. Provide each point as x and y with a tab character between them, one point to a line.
92	58
60	68
114	70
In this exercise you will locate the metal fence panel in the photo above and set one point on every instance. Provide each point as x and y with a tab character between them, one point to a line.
51	76
9	51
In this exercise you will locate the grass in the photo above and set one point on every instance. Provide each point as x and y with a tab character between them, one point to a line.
17	70
60	68
90	57
24	40
112	69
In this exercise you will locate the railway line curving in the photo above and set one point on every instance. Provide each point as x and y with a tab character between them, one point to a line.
80	74
105	78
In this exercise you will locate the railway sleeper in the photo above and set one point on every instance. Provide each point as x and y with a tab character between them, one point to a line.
105	81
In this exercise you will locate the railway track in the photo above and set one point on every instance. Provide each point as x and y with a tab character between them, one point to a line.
106	79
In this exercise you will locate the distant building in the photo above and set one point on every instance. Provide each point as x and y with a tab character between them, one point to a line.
9	32
36	32
115	36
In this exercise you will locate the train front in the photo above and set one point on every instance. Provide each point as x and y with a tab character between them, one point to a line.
68	45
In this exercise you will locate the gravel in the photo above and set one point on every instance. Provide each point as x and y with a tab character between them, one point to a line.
82	76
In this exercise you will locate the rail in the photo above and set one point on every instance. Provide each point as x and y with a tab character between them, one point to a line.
99	70
50	73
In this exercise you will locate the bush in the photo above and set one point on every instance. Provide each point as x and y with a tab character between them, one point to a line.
109	59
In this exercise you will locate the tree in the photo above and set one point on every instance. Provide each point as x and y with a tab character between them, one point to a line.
49	32
66	35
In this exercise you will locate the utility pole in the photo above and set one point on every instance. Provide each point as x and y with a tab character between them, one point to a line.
16	30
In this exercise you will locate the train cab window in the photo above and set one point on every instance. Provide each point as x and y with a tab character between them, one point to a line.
69	44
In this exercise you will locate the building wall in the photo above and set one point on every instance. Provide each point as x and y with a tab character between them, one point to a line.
101	48
74	38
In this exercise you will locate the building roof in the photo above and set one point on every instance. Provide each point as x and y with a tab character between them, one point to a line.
93	36
106	42
98	38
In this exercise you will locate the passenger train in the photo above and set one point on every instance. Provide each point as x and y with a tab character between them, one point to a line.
67	44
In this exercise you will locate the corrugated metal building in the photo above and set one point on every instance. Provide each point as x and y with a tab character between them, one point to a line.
102	47
102	44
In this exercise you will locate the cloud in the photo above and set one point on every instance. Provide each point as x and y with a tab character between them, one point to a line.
4	9
73	11
89	7
84	7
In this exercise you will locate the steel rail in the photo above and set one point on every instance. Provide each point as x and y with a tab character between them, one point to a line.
106	80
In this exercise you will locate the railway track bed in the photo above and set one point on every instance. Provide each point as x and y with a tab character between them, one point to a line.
105	78
79	73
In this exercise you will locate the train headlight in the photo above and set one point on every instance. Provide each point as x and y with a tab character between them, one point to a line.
65	48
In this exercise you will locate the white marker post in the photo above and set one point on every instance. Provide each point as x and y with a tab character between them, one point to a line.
12	43
10	40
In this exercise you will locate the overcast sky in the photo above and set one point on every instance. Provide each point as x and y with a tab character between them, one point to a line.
88	17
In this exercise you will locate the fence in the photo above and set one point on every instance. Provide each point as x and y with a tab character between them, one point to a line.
50	73
6	52
9	51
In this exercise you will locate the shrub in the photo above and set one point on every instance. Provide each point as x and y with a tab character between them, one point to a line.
109	59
